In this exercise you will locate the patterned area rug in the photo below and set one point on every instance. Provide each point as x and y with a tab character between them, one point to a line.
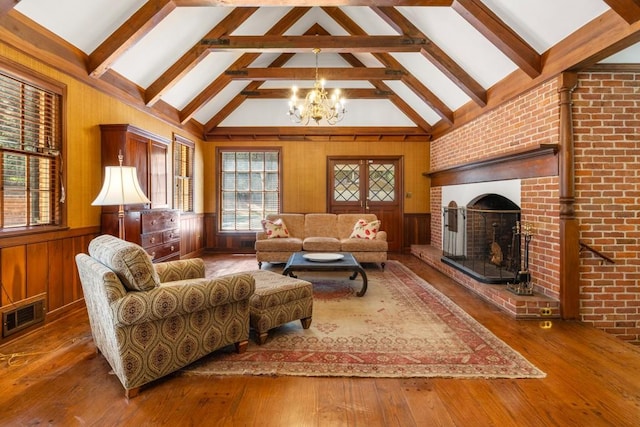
402	327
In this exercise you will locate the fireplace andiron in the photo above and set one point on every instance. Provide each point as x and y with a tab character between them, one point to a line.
522	284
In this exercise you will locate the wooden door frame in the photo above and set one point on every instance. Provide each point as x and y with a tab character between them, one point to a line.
400	184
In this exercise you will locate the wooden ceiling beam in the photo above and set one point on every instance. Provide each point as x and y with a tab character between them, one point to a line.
302	131
7	5
310	73
435	55
285	93
396	100
201	3
305	44
388	60
629	10
500	35
245	60
194	55
127	35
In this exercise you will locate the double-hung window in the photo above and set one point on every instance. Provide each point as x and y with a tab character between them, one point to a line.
31	194
249	187
183	151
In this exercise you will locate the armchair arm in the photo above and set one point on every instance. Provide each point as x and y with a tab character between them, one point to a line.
183	269
261	235
181	297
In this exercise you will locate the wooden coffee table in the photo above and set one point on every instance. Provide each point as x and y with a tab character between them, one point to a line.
297	262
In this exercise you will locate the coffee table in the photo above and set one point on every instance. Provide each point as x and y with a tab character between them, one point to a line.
297	262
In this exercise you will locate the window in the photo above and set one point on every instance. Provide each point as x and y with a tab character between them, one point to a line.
31	148
249	182
183	151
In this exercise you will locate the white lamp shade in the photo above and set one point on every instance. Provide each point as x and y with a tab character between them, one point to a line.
120	187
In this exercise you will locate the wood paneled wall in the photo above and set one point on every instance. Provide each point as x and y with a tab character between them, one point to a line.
44	264
191	234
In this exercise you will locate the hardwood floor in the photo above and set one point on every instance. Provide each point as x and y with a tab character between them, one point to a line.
55	377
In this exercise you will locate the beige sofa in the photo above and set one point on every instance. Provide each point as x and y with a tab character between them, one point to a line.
321	232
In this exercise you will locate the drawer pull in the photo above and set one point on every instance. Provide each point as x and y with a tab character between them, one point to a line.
173	248
153	240
153	255
153	222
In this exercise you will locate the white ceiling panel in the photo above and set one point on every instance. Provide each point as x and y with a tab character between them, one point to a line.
167	42
69	18
417	104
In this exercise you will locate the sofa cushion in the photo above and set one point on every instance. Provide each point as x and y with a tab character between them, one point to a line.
275	229
365	230
321	225
363	245
321	244
291	244
129	261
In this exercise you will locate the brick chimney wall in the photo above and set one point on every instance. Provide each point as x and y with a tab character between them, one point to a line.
606	113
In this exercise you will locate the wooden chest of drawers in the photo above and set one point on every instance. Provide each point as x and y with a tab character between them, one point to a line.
156	230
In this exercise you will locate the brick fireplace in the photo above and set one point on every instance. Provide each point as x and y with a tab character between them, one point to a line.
522	140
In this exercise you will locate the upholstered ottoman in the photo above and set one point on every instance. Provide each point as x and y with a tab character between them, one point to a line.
278	300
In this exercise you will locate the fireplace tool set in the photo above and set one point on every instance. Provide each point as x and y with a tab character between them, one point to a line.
522	284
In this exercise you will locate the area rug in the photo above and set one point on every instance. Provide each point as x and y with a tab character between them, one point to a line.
402	327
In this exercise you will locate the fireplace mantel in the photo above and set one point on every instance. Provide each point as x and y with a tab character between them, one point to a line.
529	163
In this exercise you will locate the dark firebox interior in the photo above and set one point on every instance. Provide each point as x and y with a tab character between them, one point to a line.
482	238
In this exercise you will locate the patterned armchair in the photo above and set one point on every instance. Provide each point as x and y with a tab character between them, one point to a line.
149	320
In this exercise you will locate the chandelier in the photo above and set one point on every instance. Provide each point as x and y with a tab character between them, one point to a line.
316	104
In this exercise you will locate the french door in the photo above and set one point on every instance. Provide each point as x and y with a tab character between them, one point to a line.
371	185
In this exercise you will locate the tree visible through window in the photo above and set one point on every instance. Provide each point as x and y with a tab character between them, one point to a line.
249	183
30	146
183	151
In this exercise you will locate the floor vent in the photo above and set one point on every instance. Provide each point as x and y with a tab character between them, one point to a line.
19	318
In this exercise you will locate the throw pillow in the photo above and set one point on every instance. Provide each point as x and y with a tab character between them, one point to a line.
365	230
275	229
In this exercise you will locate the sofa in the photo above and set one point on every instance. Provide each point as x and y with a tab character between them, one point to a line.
286	233
149	320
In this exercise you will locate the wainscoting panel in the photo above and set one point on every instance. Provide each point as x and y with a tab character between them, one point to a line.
43	264
191	235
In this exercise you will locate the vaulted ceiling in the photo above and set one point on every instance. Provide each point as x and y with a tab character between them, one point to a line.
224	68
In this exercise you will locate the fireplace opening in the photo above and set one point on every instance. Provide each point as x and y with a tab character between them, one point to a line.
481	239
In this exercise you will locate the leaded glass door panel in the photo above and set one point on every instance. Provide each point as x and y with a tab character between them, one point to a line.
368	186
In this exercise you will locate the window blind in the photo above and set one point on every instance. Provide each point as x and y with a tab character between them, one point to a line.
30	145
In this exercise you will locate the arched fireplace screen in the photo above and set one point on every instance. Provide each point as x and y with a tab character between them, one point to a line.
483	242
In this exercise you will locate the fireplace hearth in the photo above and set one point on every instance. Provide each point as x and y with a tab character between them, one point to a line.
481	239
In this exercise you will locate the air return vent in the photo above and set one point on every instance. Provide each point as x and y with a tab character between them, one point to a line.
22	316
